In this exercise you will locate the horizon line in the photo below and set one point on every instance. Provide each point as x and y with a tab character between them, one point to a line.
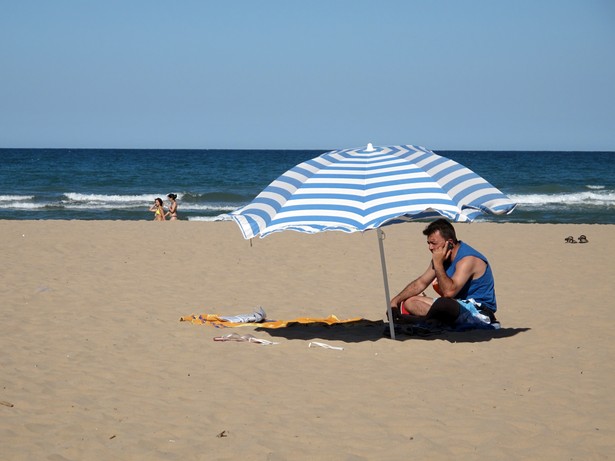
293	149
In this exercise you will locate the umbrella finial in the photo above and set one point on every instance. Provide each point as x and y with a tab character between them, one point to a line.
370	147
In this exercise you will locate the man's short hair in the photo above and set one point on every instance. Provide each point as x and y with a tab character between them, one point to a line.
446	229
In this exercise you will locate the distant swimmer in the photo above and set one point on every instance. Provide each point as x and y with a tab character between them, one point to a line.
172	207
158	210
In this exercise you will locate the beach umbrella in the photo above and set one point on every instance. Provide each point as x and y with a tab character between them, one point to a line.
355	190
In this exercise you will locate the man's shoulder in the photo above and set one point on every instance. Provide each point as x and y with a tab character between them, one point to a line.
473	263
470	259
469	251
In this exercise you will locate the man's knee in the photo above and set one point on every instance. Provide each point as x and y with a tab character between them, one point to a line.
444	310
417	305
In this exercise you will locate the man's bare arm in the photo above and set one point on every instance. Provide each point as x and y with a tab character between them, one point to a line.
417	286
466	268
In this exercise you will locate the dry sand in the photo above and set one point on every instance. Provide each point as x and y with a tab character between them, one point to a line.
95	364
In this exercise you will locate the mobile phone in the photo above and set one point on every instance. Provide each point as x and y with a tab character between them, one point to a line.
450	246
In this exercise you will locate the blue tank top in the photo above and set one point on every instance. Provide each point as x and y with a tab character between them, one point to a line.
482	289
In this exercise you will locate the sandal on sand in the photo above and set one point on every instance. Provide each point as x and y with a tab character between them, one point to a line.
583	239
570	239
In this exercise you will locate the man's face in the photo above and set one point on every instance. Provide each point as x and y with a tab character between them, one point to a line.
435	240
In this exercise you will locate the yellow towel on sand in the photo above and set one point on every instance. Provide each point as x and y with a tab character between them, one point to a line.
215	320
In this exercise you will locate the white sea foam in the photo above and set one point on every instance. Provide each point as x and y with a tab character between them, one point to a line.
15	198
23	205
203	218
597	187
78	201
602	198
143	198
100	206
196	207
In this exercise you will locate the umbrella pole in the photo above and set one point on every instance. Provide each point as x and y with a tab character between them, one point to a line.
387	295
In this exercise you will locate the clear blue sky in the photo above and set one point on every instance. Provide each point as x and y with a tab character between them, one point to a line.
522	75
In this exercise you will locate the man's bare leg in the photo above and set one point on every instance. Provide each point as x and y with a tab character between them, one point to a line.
418	305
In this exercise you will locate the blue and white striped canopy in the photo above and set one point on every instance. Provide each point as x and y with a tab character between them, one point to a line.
359	189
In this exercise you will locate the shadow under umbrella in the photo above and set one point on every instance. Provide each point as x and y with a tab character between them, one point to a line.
370	330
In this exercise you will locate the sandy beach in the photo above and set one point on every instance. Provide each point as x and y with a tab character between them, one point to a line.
96	365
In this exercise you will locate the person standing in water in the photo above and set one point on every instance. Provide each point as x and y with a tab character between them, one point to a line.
158	209
172	207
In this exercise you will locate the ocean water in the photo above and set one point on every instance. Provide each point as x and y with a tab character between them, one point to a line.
121	184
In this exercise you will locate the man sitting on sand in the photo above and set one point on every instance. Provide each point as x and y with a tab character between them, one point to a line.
459	273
